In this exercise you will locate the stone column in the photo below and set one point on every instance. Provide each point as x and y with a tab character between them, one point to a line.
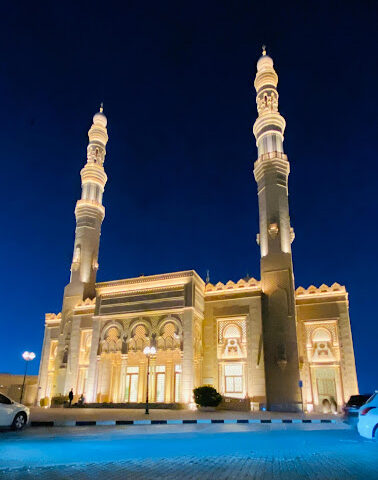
122	395
44	365
91	388
347	364
255	353
153	378
210	353
73	357
117	380
314	387
339	388
142	382
59	378
97	394
220	378
188	357
169	382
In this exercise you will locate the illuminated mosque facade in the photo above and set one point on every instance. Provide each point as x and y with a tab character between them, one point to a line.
264	340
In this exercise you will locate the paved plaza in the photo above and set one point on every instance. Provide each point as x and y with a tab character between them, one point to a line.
207	451
103	414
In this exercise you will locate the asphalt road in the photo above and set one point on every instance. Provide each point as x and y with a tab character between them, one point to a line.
189	451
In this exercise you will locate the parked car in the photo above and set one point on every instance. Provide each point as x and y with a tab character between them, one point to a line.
353	406
368	418
13	414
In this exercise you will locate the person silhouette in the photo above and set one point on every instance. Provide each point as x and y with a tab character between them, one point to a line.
70	396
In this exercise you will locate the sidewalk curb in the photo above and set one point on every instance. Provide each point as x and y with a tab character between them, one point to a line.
87	423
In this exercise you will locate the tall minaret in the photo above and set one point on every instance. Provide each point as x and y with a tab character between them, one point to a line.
89	211
271	172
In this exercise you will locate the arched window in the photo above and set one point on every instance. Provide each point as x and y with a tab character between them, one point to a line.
232	331
112	340
322	345
168	339
321	335
139	338
232	336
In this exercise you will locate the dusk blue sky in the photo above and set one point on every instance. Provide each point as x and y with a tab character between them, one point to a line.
176	79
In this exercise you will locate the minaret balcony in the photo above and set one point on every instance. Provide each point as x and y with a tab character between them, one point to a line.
94	173
266	77
267	123
272	156
98	134
271	167
90	207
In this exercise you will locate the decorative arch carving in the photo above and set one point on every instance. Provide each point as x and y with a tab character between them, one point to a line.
108	325
169	334
197	340
321	334
322	341
322	345
140	335
232	338
170	319
232	330
140	321
232	335
111	338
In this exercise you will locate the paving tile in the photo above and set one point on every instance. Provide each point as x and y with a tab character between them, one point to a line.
207	468
257	452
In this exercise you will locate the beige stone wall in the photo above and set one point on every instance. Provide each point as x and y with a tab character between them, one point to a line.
11	385
241	310
200	331
325	346
113	329
49	366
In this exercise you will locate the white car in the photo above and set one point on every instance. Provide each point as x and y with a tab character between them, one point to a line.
13	414
368	418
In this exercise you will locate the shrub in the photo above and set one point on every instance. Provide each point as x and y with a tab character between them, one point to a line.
207	396
59	400
44	402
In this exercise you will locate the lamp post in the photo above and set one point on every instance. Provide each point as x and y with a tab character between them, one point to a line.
27	356
148	351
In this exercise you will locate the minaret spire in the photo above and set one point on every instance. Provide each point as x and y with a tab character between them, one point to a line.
89	211
271	172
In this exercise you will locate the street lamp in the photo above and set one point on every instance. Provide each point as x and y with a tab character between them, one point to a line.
27	356
148	351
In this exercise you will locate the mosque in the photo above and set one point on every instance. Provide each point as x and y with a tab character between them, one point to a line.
282	348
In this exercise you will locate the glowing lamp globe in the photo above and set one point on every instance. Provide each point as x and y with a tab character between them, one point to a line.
28	356
149	350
